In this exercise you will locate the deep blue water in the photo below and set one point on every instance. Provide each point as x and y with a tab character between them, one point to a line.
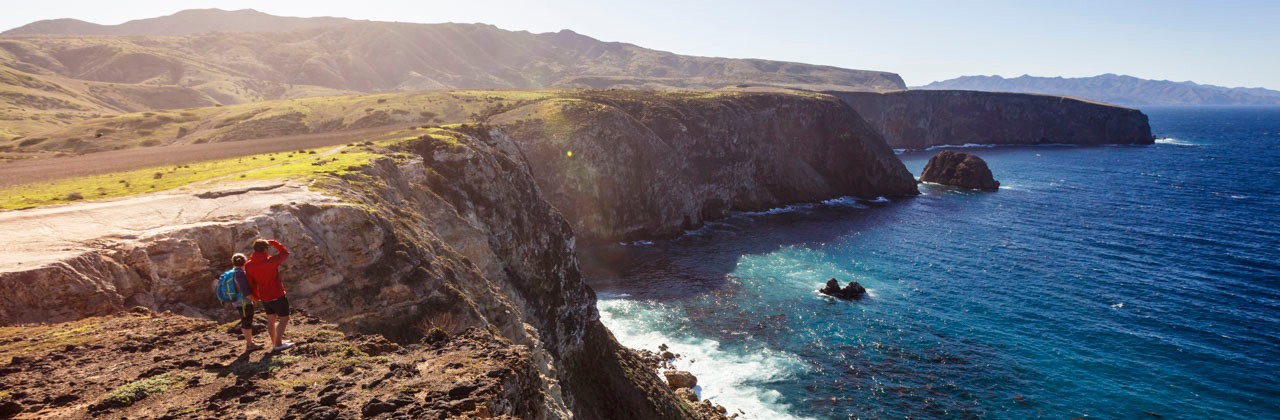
1098	282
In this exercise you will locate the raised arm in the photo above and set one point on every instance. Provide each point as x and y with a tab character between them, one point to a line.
282	253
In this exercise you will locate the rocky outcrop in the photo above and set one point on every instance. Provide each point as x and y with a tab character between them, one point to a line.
920	119
460	229
625	165
144	364
961	170
680	379
852	291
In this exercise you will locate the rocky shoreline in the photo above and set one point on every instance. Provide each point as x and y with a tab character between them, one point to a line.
476	227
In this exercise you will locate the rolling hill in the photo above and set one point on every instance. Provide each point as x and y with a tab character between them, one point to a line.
53	73
1116	89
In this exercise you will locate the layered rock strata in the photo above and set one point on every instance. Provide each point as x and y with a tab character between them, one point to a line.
461	229
918	119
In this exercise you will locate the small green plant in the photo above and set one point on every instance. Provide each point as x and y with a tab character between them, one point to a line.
137	390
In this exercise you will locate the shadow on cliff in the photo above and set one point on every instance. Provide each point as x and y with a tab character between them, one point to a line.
702	260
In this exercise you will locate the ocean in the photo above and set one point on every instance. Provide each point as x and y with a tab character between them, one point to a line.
1104	282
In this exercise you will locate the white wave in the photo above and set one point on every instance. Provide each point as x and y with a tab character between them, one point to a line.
636	243
778	210
1118	305
724	377
986	146
1175	142
961	146
878	200
845	201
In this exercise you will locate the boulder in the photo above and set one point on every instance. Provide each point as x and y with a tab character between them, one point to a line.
961	170
850	292
680	379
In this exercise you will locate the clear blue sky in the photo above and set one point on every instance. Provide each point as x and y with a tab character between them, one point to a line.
1228	42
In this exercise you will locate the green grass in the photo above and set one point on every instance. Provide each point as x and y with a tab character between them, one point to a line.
137	390
270	366
270	166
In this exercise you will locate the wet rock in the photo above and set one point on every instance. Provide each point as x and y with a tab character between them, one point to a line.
680	379
666	355
850	292
961	170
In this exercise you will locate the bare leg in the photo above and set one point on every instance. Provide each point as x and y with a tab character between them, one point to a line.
284	322
248	338
271	330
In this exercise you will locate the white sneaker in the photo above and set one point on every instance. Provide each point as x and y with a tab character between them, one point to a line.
284	345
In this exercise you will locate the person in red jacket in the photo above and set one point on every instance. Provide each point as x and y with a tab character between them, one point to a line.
263	271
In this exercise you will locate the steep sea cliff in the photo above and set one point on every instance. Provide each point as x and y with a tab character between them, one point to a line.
467	228
918	119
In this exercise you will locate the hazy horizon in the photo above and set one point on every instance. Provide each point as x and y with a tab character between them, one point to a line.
924	41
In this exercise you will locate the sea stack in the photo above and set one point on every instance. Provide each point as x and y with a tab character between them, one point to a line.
961	170
849	292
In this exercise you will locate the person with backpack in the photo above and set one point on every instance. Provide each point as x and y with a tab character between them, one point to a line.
263	271
233	290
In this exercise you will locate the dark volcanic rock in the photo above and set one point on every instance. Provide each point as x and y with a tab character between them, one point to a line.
916	119
850	292
961	170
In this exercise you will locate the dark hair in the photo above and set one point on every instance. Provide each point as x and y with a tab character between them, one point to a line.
260	245
237	260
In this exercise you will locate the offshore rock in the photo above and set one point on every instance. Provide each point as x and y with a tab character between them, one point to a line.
961	170
849	292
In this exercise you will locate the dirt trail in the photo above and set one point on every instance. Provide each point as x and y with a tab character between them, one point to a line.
39	236
44	169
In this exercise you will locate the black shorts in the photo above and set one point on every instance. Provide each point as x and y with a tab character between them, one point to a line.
245	312
278	307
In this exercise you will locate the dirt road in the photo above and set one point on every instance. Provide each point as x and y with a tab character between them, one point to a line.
23	171
43	235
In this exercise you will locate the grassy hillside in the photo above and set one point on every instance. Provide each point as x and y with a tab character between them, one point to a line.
84	134
53	73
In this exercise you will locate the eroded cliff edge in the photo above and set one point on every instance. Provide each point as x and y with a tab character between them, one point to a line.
918	119
624	165
461	226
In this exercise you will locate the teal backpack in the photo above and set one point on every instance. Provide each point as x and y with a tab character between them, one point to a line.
226	289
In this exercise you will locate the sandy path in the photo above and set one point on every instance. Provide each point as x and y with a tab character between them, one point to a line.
45	169
34	237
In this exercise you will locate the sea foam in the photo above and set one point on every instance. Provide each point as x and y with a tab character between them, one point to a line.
729	378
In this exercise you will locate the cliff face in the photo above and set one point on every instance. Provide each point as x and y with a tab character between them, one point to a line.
622	168
460	228
920	119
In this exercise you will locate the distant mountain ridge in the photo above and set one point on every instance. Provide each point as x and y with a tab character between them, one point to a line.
185	22
367	56
1116	89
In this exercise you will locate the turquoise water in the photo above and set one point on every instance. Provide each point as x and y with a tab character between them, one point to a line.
1100	282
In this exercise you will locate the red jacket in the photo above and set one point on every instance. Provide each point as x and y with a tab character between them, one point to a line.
264	273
